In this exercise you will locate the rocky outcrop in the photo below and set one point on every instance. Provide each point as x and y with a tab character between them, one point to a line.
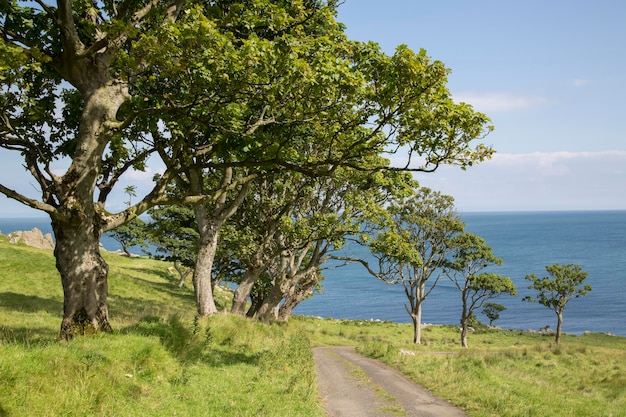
33	238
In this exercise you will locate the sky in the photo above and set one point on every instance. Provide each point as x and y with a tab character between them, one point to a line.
551	75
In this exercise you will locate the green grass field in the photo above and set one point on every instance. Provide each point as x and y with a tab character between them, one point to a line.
161	362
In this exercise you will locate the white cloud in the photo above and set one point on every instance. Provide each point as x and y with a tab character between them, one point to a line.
537	181
499	101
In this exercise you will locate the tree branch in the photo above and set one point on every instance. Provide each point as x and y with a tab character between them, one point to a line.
51	13
69	34
141	13
36	204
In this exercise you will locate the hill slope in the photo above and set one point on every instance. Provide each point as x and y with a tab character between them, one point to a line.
158	362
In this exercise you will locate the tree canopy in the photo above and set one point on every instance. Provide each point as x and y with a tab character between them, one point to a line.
250	86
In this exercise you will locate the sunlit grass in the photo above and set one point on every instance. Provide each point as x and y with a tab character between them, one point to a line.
503	373
158	362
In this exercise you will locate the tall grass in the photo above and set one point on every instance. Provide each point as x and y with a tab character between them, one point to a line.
160	361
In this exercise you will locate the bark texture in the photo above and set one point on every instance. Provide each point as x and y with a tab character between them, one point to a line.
78	222
84	277
559	326
202	275
241	294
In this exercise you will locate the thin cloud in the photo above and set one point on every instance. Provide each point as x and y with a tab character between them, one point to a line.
581	82
537	181
556	164
500	101
555	157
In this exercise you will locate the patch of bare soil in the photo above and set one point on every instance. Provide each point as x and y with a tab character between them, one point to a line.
352	385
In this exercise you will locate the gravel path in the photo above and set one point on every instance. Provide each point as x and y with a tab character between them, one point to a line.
352	385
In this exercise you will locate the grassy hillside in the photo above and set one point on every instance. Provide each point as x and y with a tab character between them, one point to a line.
160	362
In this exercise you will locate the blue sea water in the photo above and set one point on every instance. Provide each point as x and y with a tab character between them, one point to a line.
526	241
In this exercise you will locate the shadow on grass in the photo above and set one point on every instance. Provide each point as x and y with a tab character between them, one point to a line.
131	309
28	336
29	303
168	286
188	345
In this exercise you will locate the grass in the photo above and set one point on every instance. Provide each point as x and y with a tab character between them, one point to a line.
162	362
159	361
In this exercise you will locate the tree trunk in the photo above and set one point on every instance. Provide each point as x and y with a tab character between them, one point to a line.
464	333
84	278
290	303
182	273
416	317
298	292
209	226
464	322
240	296
559	324
417	331
77	223
269	308
203	272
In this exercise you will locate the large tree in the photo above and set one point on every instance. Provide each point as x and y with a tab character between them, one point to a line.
209	87
564	283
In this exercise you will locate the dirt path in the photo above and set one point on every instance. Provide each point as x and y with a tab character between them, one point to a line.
353	385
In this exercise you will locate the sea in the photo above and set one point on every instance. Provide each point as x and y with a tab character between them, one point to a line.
526	241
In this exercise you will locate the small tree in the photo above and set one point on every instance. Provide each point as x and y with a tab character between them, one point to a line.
564	283
492	311
174	235
413	247
132	233
472	255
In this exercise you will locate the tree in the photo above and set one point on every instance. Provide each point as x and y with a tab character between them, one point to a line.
294	222
470	256
132	233
272	200
208	87
275	125
564	283
413	246
492	311
173	232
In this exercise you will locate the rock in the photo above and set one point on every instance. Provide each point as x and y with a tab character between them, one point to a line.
34	238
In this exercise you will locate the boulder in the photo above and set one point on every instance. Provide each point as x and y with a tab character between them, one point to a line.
34	238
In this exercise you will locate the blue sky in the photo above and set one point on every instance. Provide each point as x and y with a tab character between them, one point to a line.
550	74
